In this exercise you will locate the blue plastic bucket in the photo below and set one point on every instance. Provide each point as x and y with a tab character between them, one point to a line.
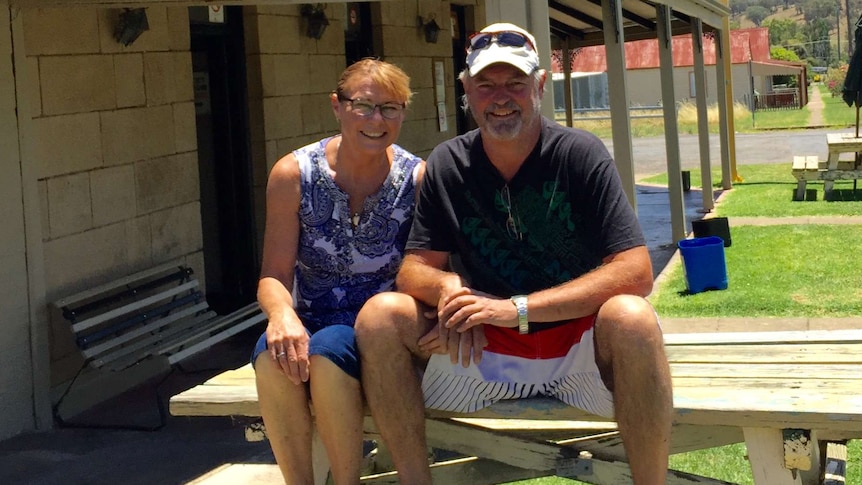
703	262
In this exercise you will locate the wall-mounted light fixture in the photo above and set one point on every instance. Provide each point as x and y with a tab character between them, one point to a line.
315	20
132	23
430	29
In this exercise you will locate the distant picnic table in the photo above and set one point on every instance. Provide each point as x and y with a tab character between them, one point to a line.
810	167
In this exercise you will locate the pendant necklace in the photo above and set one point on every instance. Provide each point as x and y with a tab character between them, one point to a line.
355	220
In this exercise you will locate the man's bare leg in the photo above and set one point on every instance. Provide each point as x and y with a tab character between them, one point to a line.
284	407
387	330
630	354
337	399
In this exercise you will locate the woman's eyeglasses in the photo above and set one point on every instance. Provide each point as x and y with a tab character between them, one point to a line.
511	224
364	107
481	40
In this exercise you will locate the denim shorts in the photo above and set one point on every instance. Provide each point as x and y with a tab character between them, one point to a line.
335	342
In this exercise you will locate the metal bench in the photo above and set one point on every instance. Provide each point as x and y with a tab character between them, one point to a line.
137	327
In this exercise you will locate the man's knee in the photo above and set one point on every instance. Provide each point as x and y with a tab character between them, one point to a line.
383	314
627	324
628	313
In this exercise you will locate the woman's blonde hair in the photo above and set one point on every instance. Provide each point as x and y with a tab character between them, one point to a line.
389	76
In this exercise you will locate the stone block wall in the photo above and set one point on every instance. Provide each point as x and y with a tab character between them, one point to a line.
102	138
404	44
16	399
115	148
291	76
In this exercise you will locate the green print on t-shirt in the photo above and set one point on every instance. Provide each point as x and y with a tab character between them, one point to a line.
553	248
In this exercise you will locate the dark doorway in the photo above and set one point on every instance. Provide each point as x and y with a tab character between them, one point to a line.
463	121
227	215
358	43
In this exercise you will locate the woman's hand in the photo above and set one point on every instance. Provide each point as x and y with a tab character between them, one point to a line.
462	346
287	341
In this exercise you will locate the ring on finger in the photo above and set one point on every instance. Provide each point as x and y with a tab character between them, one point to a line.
281	354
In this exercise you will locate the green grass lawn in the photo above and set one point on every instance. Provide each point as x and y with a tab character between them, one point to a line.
773	270
728	463
835	113
767	191
770	120
835	110
784	270
809	270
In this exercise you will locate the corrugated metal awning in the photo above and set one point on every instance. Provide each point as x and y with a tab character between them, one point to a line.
581	20
760	68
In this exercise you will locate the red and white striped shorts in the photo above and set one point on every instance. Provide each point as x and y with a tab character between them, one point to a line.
556	362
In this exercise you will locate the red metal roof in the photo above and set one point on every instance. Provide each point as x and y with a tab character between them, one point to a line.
745	44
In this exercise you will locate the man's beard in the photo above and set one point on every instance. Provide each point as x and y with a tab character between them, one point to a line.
510	128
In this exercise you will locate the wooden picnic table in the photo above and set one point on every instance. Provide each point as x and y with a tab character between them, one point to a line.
838	143
810	167
782	393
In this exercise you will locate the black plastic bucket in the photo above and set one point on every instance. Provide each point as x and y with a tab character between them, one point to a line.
716	226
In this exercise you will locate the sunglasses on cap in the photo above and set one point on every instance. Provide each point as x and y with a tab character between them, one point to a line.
481	40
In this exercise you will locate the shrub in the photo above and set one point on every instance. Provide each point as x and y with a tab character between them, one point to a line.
836	80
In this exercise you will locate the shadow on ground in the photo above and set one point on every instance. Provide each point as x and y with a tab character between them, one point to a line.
653	205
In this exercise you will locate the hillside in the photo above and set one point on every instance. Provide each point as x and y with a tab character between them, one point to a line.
790	12
782	13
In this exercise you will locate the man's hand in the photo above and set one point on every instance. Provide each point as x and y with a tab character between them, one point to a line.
465	310
463	346
288	347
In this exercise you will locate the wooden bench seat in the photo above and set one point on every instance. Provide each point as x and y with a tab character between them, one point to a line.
811	168
758	387
136	327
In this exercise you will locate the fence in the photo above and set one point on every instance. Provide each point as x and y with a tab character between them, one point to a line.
598	114
784	99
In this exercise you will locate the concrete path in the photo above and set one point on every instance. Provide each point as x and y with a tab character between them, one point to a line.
751	148
815	107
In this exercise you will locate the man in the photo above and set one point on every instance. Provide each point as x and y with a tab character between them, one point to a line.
553	271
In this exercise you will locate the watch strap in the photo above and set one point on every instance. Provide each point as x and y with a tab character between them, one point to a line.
520	302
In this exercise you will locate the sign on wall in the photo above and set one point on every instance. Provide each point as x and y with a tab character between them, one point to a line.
216	14
440	94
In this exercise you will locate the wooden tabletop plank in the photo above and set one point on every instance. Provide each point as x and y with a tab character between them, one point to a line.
793	353
852	372
769	338
804	380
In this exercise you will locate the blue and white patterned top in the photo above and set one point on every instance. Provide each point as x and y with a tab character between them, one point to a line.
338	267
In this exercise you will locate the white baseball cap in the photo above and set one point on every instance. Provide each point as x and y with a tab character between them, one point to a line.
524	57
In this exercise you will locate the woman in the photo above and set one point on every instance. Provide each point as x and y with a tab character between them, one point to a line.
338	214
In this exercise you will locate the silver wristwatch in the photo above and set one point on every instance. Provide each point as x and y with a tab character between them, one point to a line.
520	302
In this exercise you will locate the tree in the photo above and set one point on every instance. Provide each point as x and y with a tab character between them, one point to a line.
781	54
817	32
852	7
756	14
737	7
820	10
783	31
771	5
